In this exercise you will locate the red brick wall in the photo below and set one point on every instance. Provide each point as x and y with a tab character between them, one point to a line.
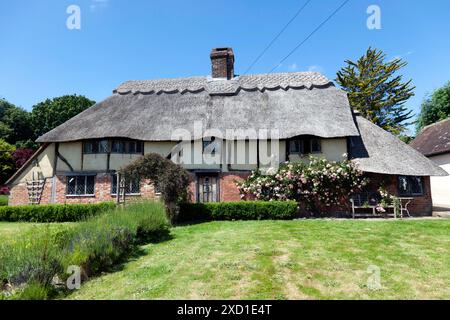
228	188
420	206
19	193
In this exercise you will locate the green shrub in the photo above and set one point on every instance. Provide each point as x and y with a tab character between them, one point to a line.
34	291
170	178
53	213
95	245
99	243
243	210
3	200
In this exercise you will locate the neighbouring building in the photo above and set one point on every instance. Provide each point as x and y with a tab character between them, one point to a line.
434	142
219	127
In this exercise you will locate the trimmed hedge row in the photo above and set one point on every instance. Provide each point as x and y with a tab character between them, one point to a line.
53	212
243	210
3	200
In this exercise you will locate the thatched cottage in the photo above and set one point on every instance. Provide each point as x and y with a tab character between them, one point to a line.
219	127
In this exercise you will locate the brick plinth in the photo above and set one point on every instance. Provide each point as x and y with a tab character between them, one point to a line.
228	191
228	188
19	193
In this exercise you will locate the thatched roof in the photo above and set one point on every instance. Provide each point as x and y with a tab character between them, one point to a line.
433	139
294	103
301	103
261	82
378	151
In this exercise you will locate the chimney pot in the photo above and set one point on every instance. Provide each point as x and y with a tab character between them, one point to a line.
222	63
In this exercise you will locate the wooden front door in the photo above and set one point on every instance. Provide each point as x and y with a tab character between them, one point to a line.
208	189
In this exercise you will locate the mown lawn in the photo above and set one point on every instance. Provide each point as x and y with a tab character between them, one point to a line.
305	259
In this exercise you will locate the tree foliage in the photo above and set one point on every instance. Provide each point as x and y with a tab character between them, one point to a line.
171	179
376	91
50	113
435	108
22	128
20	156
6	161
15	125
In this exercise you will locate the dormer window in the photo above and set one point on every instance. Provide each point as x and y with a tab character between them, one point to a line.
303	146
210	145
95	146
113	146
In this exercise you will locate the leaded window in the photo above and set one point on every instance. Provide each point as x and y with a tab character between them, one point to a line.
305	146
113	146
95	146
410	186
132	186
82	185
210	145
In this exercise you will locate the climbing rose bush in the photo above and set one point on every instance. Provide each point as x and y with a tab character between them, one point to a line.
319	183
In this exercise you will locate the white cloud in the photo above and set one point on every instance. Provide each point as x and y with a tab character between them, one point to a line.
98	4
402	56
315	68
293	67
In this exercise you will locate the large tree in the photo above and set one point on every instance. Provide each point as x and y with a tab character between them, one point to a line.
376	91
49	114
435	108
15	125
6	161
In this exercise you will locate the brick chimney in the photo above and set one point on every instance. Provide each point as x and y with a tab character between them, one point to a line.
222	63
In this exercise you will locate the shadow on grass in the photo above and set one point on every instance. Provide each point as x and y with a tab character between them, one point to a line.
190	223
137	251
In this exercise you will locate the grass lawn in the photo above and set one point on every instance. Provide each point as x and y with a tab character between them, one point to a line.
12	230
305	259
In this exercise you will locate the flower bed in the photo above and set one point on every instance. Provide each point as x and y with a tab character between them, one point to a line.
28	265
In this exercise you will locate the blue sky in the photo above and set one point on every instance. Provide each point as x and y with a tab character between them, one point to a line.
122	40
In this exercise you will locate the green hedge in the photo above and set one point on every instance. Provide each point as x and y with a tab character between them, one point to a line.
3	200
243	210
53	213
